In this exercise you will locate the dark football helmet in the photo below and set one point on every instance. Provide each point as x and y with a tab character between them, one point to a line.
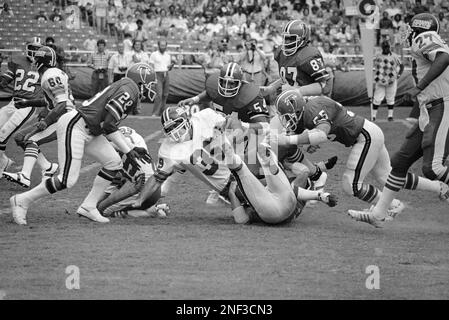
176	123
230	80
145	77
420	23
31	46
45	57
295	35
290	107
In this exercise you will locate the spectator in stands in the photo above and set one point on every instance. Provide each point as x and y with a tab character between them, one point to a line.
216	57
335	19
164	23
72	20
121	25
90	43
444	23
74	56
99	62
128	43
111	18
86	11
100	13
137	54
283	14
56	15
150	23
252	60
131	26
163	63
41	17
388	68
419	7
118	64
239	18
125	10
6	11
191	34
141	34
386	28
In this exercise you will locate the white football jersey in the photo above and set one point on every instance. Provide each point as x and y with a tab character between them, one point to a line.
424	50
55	84
192	155
134	140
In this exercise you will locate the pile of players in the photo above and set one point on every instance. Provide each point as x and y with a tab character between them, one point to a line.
248	154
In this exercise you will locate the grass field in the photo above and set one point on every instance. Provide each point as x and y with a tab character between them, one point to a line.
199	253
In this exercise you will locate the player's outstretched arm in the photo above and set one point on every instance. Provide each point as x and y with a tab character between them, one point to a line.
127	190
55	114
150	188
25	103
193	100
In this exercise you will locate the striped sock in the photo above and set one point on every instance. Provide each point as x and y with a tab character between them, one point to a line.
393	185
367	193
411	181
31	153
395	182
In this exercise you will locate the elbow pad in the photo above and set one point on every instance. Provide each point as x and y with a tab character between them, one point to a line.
118	139
316	137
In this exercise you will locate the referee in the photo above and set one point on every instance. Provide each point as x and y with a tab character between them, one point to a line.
99	62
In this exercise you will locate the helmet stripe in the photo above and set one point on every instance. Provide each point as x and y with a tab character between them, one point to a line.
233	68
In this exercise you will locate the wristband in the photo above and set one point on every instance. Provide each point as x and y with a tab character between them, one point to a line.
119	140
196	99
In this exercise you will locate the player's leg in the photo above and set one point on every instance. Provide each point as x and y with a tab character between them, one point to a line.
100	149
378	96
390	94
435	143
71	138
31	143
6	112
14	123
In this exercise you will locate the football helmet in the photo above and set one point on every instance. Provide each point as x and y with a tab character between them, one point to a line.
290	107
295	35
230	80
145	77
420	23
45	57
31	46
176	123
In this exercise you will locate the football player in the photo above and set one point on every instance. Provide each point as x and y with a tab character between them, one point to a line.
131	175
274	201
230	93
300	65
429	138
55	85
88	129
326	119
21	70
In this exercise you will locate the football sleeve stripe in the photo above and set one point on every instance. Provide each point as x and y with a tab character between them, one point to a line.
298	156
319	71
9	74
117	105
117	116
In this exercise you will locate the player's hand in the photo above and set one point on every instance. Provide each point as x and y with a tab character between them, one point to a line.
118	181
233	123
41	125
186	102
280	139
162	210
133	156
143	154
312	149
328	198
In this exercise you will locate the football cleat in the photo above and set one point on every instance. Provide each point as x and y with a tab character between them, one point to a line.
92	214
396	207
444	192
18	178
19	210
328	198
51	171
366	216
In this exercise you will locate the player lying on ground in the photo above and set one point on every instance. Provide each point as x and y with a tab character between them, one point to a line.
429	138
187	147
274	200
55	84
231	94
132	176
88	129
326	119
21	70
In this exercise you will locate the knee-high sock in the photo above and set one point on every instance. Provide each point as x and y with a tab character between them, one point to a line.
31	154
305	195
395	182
101	182
415	182
43	162
390	110
34	194
374	111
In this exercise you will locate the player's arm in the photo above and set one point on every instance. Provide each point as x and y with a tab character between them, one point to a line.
271	88
314	137
54	115
437	67
202	97
317	70
164	170
238	211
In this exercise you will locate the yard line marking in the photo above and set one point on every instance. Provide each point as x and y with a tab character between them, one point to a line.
406	123
144	117
96	164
